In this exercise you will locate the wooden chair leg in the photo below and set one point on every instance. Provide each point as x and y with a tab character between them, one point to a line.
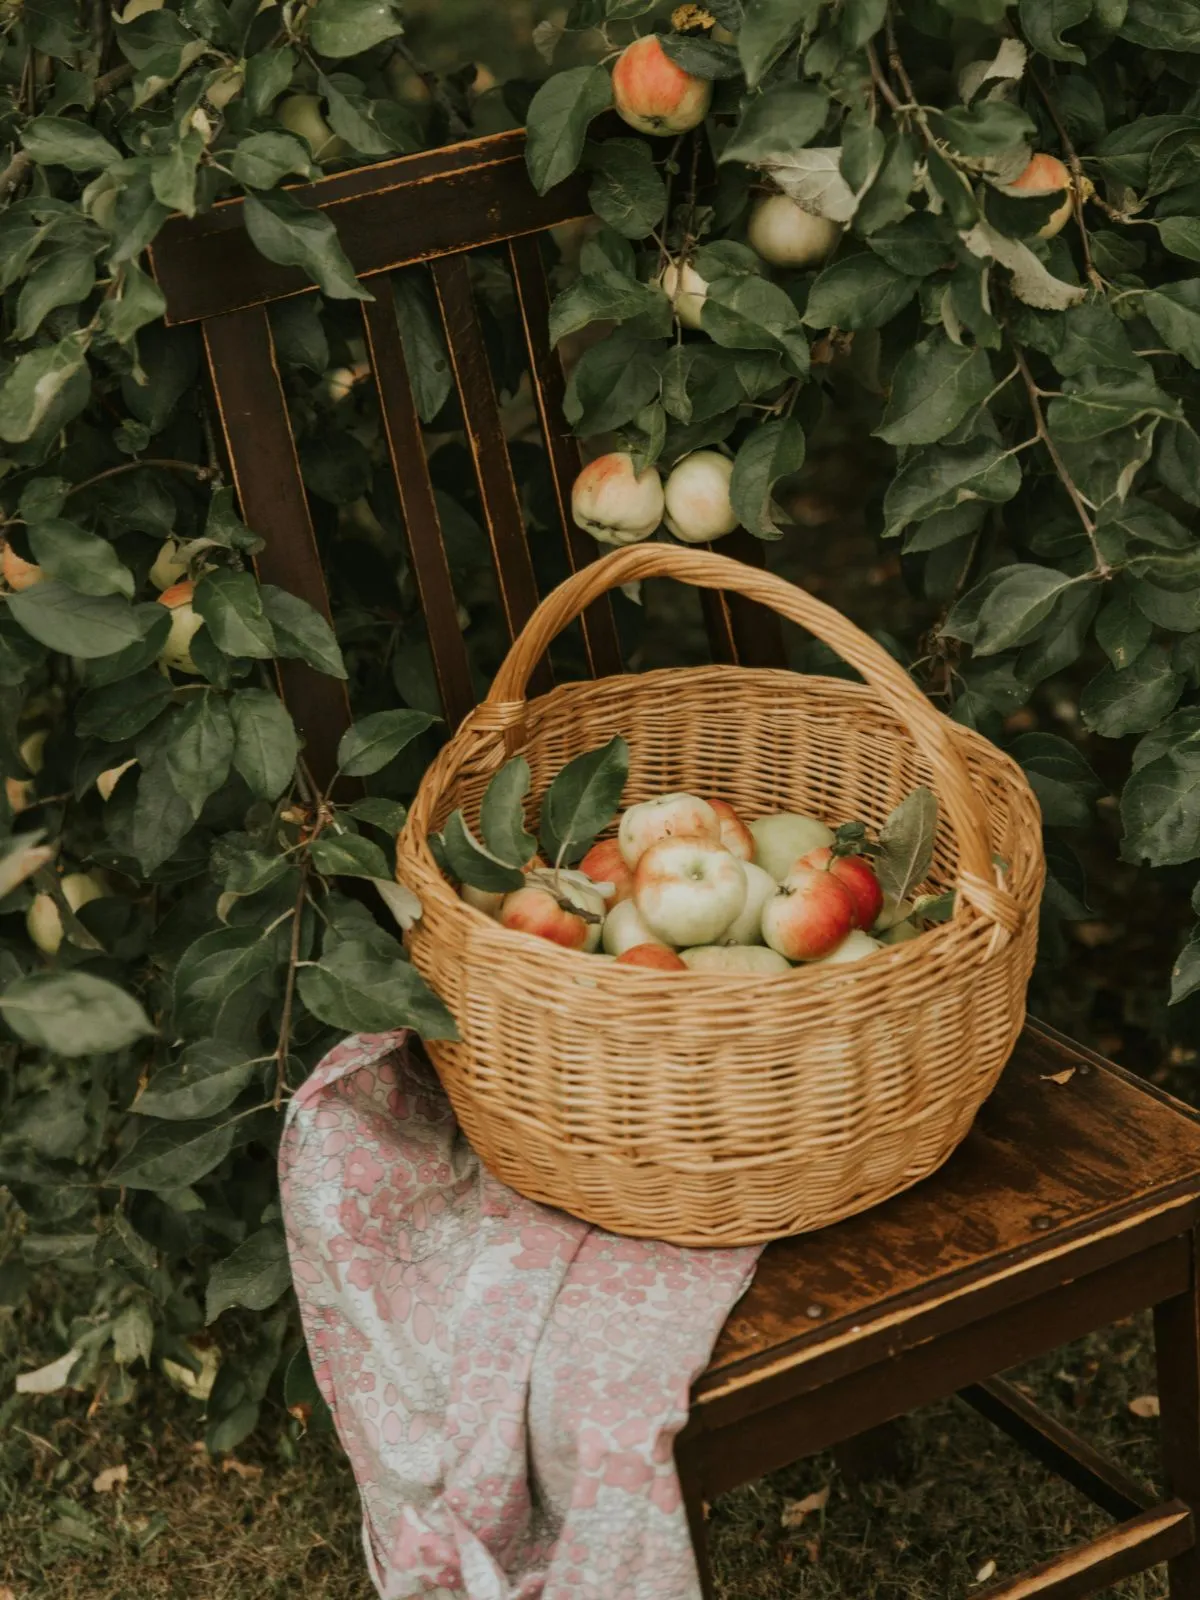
693	1500
1177	1346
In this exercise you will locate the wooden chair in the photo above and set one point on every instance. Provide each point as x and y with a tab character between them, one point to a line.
1075	1200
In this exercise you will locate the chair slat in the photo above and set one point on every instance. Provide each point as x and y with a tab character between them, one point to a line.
266	473
489	450
546	374
406	446
387	216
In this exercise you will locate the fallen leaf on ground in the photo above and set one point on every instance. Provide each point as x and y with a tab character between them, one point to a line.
1059	1077
111	1478
50	1378
243	1470
1146	1405
795	1511
986	1571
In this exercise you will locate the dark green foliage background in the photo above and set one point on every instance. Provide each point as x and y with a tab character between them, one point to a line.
1037	399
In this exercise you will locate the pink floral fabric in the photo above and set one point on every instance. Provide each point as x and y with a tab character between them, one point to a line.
507	1381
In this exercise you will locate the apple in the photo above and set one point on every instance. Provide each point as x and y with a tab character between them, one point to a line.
746	927
605	864
43	920
735	835
655	956
696	497
301	114
654	95
32	749
18	573
686	290
111	777
555	914
787	235
1047	175
688	890
853	947
753	959
169	566
671	816
614	503
488	901
808	916
625	930
856	877
185	624
780	841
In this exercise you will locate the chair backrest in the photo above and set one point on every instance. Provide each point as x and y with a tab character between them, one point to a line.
433	207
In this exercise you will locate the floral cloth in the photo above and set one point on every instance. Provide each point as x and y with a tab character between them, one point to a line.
507	1381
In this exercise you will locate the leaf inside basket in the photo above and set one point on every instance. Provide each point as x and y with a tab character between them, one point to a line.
583	799
906	843
502	816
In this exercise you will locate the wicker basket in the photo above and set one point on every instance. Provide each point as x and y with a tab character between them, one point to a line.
702	1108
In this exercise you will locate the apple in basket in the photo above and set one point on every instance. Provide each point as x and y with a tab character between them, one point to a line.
746	927
735	835
853	947
856	877
604	864
751	960
780	841
808	916
688	890
625	930
671	816
565	912
655	957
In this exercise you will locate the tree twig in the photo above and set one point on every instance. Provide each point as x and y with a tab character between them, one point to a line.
289	989
433	86
200	473
896	60
15	173
1103	570
1077	173
113	79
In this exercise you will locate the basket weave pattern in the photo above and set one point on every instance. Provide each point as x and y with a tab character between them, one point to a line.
695	1107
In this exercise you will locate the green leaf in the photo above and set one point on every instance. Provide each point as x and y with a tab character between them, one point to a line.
612	381
261	160
173	175
777	123
348	855
627	190
769	453
861	291
340	28
1094	336
1162	25
88	563
1066	787
386	815
373	127
46	389
257	1272
160	821
703	58
373	741
1090	408
1007	608
906	842
293	236
1185	974
942	476
1045	21
62	279
429	370
64	142
300	632
610	296
583	799
557	122
768	28
1122	632
472	863
207	1078
886	201
121	710
197	747
1181	236
172	1155
135	301
1134	699
935	385
232	609
502	815
1178	460
79	625
699	381
1174	311
988	128
268	74
265	743
225	979
748	313
353	989
1160	806
919	245
73	1013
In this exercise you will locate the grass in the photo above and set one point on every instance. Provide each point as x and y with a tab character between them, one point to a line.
281	1519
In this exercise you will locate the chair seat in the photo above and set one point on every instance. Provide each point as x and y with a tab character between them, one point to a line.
1072	1165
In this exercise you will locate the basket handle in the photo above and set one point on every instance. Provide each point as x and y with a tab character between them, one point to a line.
931	731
